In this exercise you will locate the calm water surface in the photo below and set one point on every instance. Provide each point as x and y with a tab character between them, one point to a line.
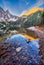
28	53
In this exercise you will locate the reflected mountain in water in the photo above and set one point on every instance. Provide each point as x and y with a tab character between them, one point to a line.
26	53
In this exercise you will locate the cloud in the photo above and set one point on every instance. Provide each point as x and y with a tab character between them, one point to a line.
27	3
38	3
23	12
6	4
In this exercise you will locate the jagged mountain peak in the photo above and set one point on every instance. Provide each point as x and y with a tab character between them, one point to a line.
6	15
7	11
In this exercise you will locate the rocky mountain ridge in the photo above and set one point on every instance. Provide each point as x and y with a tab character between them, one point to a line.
7	16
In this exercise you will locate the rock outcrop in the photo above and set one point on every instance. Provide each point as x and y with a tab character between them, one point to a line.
40	34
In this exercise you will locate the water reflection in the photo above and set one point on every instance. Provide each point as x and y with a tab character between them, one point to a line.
27	53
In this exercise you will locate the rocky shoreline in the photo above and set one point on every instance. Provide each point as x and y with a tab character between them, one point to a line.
7	49
40	34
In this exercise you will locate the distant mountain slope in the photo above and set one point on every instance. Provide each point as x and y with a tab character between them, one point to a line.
32	18
32	11
7	16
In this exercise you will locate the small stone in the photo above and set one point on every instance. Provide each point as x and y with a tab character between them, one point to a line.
18	49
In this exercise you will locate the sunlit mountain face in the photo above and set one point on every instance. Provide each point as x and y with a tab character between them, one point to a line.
32	11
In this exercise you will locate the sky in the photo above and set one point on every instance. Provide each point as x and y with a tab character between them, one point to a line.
18	7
